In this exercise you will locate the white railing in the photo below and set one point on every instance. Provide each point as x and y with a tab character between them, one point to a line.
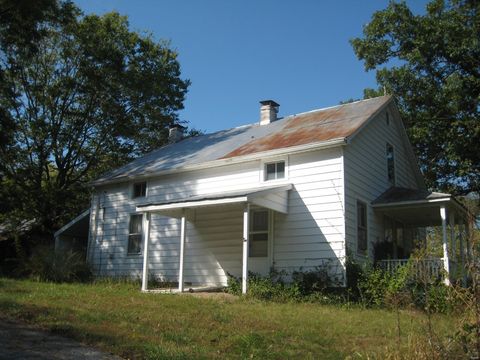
428	268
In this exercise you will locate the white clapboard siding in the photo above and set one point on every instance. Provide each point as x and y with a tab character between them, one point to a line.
312	232
366	174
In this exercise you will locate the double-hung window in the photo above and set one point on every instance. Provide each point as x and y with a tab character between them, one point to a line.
258	233
135	234
274	170
362	234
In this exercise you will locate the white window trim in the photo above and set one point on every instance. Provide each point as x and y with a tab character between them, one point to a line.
394	182
263	165
132	190
367	250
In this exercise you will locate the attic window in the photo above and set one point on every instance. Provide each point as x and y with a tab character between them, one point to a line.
140	189
387	118
275	170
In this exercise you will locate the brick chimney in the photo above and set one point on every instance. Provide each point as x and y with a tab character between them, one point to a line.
268	111
175	133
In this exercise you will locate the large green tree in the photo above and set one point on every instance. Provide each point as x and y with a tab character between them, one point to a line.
91	95
431	64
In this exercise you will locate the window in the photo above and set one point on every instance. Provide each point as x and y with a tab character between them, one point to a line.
274	171
139	189
390	164
258	244
362	236
135	234
387	118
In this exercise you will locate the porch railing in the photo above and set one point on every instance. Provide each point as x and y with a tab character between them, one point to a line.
422	268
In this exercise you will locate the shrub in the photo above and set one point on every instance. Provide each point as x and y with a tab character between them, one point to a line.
354	273
379	288
312	281
47	265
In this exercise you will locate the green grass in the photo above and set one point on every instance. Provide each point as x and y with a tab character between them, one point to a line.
120	319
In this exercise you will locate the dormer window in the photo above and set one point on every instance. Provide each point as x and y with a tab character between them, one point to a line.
139	189
275	170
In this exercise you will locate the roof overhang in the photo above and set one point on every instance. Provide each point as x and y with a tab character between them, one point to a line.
273	197
419	207
73	225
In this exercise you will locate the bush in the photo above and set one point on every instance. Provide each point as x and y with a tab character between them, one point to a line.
313	281
311	286
47	265
269	288
379	288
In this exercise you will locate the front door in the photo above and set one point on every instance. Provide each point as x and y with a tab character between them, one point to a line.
259	240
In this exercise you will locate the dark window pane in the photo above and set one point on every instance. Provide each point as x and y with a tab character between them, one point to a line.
258	245
270	172
139	189
280	170
362	237
135	224
390	164
259	237
259	221
134	244
362	240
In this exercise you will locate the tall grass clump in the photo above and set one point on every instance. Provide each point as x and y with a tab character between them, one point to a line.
45	264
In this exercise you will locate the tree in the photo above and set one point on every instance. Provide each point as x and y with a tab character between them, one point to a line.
431	64
22	21
90	97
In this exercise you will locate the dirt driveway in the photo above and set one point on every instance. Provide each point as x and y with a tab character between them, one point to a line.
19	341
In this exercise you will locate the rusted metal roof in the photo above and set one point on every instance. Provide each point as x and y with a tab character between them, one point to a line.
314	127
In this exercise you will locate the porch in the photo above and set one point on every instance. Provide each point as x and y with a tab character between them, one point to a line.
418	219
248	207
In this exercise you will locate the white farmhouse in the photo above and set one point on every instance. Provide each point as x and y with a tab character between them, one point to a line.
291	193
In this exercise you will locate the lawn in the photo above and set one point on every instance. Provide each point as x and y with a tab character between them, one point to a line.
120	319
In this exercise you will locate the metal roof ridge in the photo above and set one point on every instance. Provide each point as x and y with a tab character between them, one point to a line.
335	106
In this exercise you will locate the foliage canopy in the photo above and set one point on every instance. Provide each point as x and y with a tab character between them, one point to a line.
88	95
431	63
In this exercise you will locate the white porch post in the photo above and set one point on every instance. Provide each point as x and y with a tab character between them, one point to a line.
182	250
246	218
446	265
453	238
146	237
461	229
453	245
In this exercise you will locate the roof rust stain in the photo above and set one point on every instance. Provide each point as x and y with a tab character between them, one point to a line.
323	125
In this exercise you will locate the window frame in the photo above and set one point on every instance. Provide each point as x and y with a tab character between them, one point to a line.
256	232
391	181
358	227
133	189
263	169
131	234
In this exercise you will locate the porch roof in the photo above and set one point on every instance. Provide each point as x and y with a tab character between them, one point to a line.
418	207
76	225
272	197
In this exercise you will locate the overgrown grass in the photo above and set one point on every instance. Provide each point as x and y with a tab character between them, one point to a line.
117	317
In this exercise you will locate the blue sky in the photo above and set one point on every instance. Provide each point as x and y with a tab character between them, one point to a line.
237	53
